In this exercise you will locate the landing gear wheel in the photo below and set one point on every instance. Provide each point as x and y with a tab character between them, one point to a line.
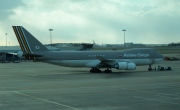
150	69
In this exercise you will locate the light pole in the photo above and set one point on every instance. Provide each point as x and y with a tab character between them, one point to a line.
51	37
6	39
6	47
124	36
9	43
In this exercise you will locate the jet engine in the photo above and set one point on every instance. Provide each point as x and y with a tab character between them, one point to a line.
125	66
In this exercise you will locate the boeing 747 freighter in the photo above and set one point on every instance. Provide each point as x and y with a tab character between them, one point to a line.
96	60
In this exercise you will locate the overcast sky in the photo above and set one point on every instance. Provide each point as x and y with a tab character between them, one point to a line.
82	21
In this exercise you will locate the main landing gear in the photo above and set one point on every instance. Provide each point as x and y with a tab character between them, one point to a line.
97	70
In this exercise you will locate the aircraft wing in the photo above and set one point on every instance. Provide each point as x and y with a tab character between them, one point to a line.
106	61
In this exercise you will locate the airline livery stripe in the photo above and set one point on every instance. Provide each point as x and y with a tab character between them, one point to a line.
22	36
15	31
21	39
25	39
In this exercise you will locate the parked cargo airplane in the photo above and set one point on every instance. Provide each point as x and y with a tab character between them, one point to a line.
122	60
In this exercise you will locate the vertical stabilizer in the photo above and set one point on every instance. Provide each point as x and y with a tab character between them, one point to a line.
27	41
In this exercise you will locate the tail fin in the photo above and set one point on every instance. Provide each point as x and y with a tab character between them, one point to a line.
28	42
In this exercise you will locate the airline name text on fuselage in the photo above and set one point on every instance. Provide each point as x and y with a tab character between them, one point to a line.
136	55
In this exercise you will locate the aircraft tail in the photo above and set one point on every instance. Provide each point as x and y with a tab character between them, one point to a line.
27	41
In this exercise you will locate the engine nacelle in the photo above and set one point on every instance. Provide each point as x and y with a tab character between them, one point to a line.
19	54
125	66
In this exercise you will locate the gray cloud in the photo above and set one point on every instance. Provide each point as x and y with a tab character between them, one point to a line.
146	21
6	7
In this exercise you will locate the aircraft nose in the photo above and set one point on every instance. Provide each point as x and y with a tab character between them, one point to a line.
161	57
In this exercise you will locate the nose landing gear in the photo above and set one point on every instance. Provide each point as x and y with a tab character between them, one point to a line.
150	68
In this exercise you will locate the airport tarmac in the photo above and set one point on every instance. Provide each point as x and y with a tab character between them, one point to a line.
41	86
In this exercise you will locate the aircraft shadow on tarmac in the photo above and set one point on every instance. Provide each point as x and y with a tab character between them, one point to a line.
84	73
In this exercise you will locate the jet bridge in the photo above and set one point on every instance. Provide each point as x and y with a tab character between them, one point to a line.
6	57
